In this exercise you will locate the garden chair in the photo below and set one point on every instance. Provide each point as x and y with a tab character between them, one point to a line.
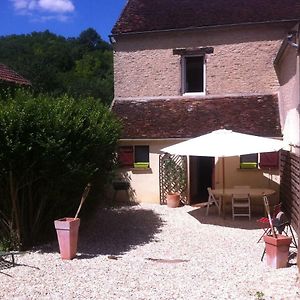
241	206
279	224
10	255
264	223
213	200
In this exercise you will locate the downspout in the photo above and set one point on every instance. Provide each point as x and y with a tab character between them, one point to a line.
296	148
290	37
293	40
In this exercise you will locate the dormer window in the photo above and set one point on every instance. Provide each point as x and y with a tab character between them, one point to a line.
193	75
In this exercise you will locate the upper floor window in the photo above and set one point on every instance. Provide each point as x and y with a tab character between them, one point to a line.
193	74
193	68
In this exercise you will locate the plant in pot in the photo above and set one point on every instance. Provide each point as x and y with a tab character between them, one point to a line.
175	181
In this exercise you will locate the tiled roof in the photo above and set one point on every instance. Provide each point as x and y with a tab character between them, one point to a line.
9	75
149	15
190	117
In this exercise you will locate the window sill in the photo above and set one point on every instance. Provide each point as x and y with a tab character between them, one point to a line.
141	165
141	170
136	170
194	94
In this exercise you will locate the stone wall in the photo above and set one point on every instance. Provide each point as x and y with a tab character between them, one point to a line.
242	62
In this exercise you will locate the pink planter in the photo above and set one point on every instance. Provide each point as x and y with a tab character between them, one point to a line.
67	234
277	250
173	200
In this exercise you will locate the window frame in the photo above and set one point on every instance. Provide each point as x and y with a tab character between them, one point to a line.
128	150
274	162
249	167
183	75
261	166
135	164
135	161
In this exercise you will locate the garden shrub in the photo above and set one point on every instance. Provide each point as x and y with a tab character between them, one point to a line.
50	148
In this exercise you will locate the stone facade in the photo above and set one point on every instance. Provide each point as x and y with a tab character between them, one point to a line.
287	67
146	68
242	62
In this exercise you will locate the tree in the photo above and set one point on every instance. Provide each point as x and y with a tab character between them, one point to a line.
92	40
55	65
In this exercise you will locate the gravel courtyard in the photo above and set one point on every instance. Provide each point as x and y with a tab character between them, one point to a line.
154	252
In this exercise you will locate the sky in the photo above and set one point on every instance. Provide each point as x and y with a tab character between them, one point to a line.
62	17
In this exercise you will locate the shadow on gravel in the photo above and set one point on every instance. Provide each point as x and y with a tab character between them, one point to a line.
214	219
114	231
4	264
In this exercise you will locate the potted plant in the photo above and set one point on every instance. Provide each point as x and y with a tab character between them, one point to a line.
176	182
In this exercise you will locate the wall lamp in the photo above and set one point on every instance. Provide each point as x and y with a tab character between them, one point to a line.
290	41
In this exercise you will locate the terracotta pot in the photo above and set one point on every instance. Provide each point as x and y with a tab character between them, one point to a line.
277	250
173	200
67	234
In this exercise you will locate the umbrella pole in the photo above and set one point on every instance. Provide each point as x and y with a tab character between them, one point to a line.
223	186
223	173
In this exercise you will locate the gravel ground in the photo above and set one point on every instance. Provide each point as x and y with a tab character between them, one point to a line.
153	252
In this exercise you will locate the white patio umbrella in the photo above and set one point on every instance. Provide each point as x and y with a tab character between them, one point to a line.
224	143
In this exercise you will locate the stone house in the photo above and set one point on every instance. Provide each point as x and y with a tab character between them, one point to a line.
186	68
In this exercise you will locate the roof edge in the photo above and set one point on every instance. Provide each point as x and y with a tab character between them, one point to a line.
206	97
203	27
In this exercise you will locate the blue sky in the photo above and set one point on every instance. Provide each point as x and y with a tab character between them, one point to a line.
63	17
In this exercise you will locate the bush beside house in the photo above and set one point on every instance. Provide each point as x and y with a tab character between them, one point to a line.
50	149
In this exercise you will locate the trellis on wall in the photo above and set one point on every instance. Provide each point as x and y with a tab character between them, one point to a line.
172	176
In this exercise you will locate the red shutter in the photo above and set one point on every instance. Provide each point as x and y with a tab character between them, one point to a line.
269	160
125	156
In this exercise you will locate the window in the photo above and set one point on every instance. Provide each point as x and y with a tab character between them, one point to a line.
125	156
134	156
249	161
269	160
193	74
141	154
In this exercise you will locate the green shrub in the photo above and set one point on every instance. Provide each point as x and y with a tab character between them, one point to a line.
49	149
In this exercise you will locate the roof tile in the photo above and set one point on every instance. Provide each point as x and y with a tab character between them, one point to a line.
151	15
6	74
191	117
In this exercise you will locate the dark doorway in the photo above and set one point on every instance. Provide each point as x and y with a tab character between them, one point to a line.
201	177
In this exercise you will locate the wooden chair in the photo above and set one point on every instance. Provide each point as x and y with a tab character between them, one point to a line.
241	187
241	206
213	200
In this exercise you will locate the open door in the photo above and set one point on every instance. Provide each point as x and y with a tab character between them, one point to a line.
201	177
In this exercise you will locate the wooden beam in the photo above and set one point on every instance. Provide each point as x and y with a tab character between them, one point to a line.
193	51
